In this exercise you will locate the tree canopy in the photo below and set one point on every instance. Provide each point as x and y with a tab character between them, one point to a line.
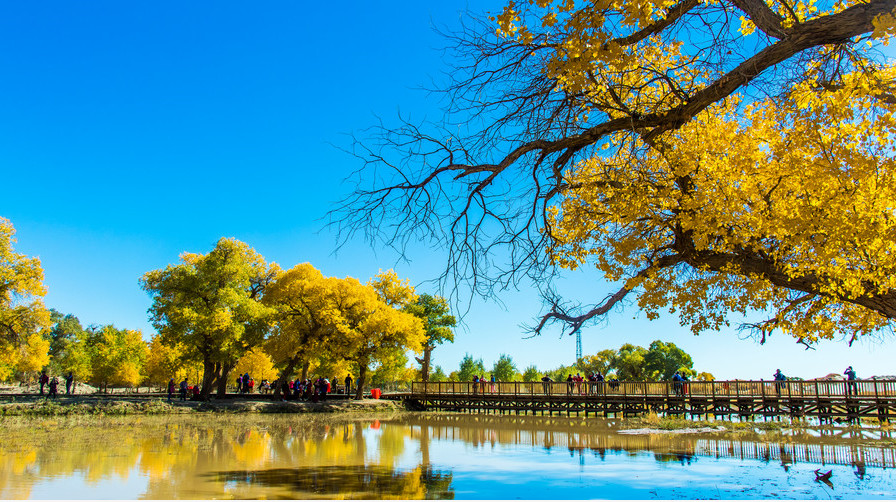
23	316
712	157
211	304
437	323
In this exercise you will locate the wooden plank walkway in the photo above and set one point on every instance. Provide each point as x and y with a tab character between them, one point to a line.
822	399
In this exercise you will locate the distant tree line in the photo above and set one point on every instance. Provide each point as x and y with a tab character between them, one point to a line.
630	362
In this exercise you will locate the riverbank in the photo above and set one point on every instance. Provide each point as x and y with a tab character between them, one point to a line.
117	406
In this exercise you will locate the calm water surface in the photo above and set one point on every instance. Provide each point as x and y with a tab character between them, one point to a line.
421	456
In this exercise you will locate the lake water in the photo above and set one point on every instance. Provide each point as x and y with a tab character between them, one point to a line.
415	456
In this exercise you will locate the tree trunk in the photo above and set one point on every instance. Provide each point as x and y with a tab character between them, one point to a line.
208	376
305	370
427	353
362	379
222	379
284	376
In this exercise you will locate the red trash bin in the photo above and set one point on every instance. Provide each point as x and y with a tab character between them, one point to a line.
375	393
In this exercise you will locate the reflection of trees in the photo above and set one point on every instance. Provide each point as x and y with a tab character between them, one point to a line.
356	481
180	455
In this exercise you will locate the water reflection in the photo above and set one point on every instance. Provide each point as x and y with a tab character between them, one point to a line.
358	481
415	457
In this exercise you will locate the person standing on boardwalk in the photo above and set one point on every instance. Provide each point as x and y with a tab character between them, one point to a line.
676	383
43	380
171	386
851	386
546	384
183	390
779	381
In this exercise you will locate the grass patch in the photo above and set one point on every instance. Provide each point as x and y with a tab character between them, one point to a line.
48	408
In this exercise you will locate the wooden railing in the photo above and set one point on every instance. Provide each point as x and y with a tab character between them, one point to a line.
726	389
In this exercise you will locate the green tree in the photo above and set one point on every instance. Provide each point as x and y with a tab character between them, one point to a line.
211	304
663	359
601	362
438	375
562	372
470	367
504	370
437	323
63	336
531	374
629	362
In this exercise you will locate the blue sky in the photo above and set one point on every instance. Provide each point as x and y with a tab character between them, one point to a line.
130	133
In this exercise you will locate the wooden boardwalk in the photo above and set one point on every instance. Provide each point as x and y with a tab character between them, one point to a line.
822	399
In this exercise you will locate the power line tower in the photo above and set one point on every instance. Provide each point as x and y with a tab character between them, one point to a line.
578	345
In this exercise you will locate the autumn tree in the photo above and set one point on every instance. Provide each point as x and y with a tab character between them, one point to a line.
257	363
305	318
712	158
164	362
212	305
371	322
23	316
437	323
601	362
117	356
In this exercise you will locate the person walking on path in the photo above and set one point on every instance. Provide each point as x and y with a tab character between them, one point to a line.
171	387
54	384
348	386
851	386
43	380
183	390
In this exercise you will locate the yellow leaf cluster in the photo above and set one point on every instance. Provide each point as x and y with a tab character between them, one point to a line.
805	184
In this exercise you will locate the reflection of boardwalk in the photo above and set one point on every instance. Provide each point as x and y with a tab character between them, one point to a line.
577	436
822	399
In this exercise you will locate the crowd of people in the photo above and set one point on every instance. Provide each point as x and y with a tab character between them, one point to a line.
310	389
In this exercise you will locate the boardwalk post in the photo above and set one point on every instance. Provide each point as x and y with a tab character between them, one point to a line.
666	398
817	403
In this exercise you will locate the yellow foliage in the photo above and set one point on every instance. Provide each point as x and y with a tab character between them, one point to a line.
257	364
22	312
807	183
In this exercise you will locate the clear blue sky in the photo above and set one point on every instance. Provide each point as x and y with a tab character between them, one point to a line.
130	133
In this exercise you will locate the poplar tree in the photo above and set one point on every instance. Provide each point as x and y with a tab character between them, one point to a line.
709	157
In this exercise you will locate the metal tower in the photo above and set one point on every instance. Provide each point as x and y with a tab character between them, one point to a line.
578	345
